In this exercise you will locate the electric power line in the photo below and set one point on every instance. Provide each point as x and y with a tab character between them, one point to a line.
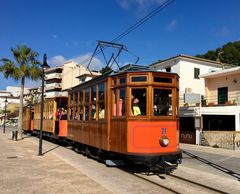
136	25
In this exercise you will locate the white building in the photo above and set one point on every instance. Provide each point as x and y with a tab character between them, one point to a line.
188	68
191	83
15	91
60	79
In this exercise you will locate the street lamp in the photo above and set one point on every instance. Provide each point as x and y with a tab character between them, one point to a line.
44	66
5	116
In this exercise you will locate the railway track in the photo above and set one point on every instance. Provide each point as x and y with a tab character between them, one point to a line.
177	184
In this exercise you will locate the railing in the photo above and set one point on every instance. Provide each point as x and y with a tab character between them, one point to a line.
233	98
56	94
53	75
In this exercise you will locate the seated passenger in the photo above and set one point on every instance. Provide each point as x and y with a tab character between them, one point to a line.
101	114
135	108
155	112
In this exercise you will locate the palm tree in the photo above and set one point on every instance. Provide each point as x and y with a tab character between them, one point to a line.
25	66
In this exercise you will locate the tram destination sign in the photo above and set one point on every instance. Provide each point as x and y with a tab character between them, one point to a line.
192	98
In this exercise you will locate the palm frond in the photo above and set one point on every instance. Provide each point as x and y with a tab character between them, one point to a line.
26	65
9	69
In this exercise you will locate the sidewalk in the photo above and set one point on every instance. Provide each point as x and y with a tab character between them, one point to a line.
210	150
23	171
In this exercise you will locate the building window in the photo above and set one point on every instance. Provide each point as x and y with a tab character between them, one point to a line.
168	69
222	95
196	73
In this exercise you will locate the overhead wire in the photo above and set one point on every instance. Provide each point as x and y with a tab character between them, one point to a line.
136	25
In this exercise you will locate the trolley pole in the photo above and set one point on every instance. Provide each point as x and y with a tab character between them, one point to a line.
44	66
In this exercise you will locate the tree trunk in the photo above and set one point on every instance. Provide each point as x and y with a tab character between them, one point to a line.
21	109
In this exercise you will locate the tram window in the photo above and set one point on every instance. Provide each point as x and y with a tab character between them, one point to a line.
139	78
139	99
87	95
93	103
122	80
114	110
122	102
101	105
162	79
86	115
86	104
162	102
75	113
80	113
75	99
70	113
71	99
81	97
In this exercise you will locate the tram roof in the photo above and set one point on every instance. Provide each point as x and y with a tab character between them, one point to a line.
123	70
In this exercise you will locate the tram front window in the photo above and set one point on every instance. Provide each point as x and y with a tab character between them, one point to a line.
139	99
162	102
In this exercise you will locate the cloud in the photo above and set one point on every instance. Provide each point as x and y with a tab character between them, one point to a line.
96	64
171	26
125	4
139	4
83	60
58	60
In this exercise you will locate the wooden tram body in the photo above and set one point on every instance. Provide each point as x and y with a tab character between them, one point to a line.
101	115
49	117
27	120
31	119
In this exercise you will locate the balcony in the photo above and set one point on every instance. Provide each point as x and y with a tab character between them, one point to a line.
56	94
53	76
231	99
53	86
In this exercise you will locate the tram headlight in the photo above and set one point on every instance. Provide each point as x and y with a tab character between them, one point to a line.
164	141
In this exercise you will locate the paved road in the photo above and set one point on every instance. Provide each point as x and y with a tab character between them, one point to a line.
218	161
78	173
23	172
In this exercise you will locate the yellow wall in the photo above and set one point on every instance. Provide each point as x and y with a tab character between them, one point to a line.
230	81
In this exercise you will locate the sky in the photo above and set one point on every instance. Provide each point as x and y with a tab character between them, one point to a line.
69	29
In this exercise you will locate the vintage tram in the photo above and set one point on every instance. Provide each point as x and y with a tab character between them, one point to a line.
27	120
54	125
130	115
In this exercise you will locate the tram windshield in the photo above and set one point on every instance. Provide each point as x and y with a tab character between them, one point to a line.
139	99
162	99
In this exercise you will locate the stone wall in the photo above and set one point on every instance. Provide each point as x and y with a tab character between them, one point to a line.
222	139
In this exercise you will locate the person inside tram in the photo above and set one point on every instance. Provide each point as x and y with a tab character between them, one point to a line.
155	110
64	114
135	107
101	112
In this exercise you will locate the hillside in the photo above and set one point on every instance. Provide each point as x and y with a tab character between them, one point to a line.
228	53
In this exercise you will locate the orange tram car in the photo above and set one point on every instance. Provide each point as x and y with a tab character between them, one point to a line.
130	116
53	126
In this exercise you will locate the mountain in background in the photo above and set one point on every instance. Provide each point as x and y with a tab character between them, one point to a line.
228	53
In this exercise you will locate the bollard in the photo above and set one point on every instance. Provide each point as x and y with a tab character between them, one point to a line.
15	135
12	135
